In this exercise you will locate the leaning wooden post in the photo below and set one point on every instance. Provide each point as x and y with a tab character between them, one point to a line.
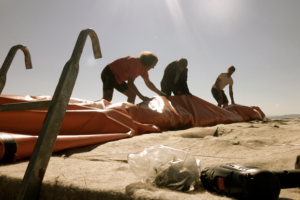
8	60
32	181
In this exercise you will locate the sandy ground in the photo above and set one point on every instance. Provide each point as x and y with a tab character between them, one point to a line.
101	171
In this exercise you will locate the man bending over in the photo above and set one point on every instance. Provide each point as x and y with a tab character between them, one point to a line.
128	69
175	78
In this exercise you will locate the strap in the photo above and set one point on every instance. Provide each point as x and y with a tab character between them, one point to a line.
10	147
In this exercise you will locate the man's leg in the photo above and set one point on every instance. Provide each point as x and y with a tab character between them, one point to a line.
107	95
225	99
108	80
130	96
166	89
215	94
123	88
220	102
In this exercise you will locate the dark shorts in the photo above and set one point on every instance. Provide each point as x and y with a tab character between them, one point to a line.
215	93
109	81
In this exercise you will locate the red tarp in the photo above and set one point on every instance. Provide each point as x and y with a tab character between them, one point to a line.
88	122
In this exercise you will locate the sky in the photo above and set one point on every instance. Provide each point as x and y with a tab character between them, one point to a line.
260	38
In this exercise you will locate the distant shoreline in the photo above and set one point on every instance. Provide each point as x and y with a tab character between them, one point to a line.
291	116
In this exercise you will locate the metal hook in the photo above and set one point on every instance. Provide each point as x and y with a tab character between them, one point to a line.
8	60
80	44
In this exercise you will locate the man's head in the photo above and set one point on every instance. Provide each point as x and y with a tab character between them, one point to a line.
148	59
231	70
182	63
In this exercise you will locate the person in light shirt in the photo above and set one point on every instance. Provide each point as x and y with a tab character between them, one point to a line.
115	75
222	81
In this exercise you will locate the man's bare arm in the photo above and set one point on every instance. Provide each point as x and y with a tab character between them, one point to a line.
132	86
231	94
152	87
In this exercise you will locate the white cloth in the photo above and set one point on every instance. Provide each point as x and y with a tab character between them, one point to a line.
224	81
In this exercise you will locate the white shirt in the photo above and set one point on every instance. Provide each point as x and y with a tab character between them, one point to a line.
224	81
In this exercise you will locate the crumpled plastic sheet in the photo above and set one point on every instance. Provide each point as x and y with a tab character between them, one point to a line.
166	167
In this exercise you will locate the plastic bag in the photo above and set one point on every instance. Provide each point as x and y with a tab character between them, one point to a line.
166	167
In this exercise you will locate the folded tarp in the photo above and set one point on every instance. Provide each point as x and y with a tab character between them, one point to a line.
86	120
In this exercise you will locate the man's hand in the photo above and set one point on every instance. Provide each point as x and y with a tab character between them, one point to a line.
144	98
232	102
190	94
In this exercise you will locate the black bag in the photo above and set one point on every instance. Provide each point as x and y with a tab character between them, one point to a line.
247	182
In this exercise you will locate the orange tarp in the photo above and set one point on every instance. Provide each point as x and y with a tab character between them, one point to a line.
88	122
26	143
247	113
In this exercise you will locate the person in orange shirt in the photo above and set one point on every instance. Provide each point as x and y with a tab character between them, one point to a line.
128	69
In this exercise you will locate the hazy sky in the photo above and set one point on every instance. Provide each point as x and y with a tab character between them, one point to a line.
260	38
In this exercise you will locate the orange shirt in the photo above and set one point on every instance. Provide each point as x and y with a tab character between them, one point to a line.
122	67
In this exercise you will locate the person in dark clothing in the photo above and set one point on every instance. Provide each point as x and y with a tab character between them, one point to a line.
175	78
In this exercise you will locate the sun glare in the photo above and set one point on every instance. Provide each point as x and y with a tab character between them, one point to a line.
157	105
176	12
211	15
